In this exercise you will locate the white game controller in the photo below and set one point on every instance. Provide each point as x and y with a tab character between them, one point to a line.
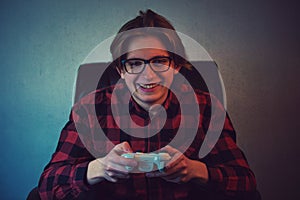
146	161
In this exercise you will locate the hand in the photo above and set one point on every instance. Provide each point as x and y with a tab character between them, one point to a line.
112	166
181	169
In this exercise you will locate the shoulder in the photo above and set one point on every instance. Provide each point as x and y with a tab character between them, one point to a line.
186	94
102	96
207	102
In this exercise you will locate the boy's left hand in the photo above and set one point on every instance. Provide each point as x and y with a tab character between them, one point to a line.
181	169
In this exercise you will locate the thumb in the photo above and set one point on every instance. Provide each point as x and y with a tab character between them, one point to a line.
123	147
169	149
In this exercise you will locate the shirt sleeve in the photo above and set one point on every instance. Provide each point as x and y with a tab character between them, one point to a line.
65	175
228	169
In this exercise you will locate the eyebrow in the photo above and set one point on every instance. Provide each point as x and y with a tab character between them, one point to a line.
149	58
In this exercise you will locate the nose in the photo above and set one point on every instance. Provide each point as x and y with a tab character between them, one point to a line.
148	72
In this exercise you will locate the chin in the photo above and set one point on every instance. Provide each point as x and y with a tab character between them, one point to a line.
148	100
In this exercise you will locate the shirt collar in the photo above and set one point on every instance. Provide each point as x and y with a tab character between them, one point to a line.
170	105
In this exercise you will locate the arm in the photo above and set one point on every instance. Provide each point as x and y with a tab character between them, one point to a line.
112	167
224	170
228	169
72	169
227	165
64	176
181	169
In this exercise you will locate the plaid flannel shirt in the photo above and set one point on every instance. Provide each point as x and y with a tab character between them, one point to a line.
80	142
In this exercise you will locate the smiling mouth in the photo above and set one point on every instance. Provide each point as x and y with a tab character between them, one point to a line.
148	86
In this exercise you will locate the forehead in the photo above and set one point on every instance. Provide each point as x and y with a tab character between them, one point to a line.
145	47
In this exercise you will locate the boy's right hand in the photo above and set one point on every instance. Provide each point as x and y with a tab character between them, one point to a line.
112	167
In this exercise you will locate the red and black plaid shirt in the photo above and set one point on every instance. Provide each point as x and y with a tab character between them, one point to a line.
81	141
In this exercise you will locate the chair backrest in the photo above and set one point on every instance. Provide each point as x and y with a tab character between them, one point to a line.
202	75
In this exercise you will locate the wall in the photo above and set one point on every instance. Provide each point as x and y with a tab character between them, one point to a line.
255	45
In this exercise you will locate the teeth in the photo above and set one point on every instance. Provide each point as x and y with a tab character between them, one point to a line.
148	86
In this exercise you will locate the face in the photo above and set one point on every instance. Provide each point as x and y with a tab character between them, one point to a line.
148	87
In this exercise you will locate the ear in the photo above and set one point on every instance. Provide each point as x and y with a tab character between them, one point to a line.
121	72
177	69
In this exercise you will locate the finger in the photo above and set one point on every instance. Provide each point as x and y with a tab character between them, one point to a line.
110	178
118	175
175	172
123	162
117	168
108	165
174	153
178	165
176	160
156	174
173	179
180	171
169	150
176	178
121	176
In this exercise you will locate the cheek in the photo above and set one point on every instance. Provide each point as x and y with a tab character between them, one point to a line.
169	79
130	81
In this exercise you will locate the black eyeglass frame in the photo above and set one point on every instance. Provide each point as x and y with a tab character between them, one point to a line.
145	63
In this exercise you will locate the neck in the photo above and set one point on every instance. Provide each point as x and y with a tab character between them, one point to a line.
152	108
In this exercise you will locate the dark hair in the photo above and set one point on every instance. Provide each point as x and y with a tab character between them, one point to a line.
149	19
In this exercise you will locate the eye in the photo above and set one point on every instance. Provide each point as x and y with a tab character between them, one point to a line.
135	63
160	61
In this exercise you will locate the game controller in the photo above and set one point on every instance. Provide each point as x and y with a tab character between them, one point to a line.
146	161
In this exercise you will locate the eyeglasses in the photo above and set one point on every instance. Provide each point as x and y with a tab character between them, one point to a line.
137	65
